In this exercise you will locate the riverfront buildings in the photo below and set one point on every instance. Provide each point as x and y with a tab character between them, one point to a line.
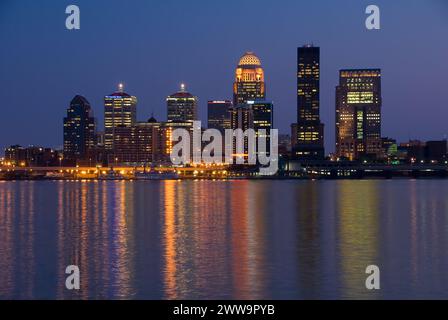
358	114
128	141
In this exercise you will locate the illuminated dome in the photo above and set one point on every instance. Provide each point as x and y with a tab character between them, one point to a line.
249	59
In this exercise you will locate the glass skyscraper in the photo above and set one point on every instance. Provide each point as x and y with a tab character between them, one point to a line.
79	130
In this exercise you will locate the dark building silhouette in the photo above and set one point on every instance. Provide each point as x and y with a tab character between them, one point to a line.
32	156
79	131
263	118
308	132
241	117
218	114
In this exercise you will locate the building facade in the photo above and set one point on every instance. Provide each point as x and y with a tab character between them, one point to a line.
218	114
358	114
119	111
241	117
309	135
182	106
136	145
249	80
263	118
79	131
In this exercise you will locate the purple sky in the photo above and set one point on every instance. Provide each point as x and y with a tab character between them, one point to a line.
152	46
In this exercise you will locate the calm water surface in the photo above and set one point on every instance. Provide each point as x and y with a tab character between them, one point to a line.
224	239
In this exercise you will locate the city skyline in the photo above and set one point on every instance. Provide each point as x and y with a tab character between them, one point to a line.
152	76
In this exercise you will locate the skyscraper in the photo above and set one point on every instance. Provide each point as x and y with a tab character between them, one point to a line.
358	114
119	111
241	117
263	118
218	115
79	130
249	80
309	143
182	106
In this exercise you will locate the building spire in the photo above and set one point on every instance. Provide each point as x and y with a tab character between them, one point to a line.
120	87
182	87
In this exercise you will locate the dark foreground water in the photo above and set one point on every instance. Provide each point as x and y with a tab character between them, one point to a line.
224	239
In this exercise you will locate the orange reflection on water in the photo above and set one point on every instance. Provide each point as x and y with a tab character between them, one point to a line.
170	240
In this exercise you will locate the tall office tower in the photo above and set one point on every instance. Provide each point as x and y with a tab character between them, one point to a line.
309	143
249	80
218	114
79	130
119	111
263	118
358	114
241	117
182	106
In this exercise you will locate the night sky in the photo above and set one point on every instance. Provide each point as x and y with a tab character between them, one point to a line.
152	46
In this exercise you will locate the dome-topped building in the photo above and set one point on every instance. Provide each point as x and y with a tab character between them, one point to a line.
249	79
249	59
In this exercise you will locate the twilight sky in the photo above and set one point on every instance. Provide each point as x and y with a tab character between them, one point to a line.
154	45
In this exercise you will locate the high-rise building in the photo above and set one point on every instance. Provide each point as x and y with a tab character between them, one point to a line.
241	117
79	130
182	106
119	111
218	114
249	80
309	143
263	118
358	114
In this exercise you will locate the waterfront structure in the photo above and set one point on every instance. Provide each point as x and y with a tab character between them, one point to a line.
358	114
218	114
249	80
182	106
308	132
79	131
263	118
35	156
119	111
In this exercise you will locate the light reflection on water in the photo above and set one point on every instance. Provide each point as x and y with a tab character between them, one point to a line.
224	239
